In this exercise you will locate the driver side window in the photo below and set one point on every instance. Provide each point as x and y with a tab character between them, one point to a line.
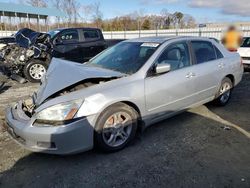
176	55
69	36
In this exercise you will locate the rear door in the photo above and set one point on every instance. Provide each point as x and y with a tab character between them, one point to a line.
66	45
91	43
173	91
208	71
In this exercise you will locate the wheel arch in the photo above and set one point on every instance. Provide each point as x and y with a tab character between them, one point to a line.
130	104
134	106
231	77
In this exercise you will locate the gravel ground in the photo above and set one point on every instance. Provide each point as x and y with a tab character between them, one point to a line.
189	150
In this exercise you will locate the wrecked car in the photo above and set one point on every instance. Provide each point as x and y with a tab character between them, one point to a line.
133	84
28	57
77	44
31	55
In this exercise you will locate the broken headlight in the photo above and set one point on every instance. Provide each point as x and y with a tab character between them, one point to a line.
60	112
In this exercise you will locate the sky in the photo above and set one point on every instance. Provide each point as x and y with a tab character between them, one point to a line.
203	11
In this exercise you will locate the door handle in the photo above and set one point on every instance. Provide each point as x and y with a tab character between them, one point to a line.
190	75
221	65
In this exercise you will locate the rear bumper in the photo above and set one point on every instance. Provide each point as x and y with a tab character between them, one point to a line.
65	139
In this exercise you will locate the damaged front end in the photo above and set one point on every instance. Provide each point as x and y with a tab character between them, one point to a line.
60	117
28	106
59	82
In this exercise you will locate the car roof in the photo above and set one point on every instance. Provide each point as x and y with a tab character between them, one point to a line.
162	39
60	29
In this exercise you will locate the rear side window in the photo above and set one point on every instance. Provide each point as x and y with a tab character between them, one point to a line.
204	51
218	53
90	34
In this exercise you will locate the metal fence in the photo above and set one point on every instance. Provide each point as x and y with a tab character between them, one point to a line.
6	33
203	32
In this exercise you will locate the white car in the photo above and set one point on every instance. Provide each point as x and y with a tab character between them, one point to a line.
244	52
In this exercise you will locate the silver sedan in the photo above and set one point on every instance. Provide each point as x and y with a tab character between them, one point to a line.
136	83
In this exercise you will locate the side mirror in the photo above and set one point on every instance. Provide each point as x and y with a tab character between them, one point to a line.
162	68
57	41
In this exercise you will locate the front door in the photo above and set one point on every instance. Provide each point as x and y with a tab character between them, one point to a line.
172	91
67	45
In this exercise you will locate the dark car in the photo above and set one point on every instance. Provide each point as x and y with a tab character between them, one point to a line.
77	44
30	56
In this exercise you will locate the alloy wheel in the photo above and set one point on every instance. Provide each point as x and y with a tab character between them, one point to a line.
37	71
225	92
117	129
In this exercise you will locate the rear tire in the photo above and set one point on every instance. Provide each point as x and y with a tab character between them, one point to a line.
224	93
34	70
116	127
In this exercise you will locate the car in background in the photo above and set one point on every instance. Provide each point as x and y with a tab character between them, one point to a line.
30	56
135	83
77	44
244	52
6	40
215	39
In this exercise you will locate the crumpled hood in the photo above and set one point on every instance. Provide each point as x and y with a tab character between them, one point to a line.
26	37
62	74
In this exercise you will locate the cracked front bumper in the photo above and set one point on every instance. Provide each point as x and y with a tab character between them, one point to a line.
73	137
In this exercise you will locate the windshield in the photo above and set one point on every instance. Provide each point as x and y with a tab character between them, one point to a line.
52	33
246	42
125	57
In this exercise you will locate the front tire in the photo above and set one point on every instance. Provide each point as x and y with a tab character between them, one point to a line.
116	127
224	93
34	70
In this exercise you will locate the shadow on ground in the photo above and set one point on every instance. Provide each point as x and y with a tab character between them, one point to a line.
237	110
4	88
185	151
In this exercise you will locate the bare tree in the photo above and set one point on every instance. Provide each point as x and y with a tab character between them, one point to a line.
190	23
71	8
97	14
87	11
177	17
167	18
125	22
57	3
37	3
